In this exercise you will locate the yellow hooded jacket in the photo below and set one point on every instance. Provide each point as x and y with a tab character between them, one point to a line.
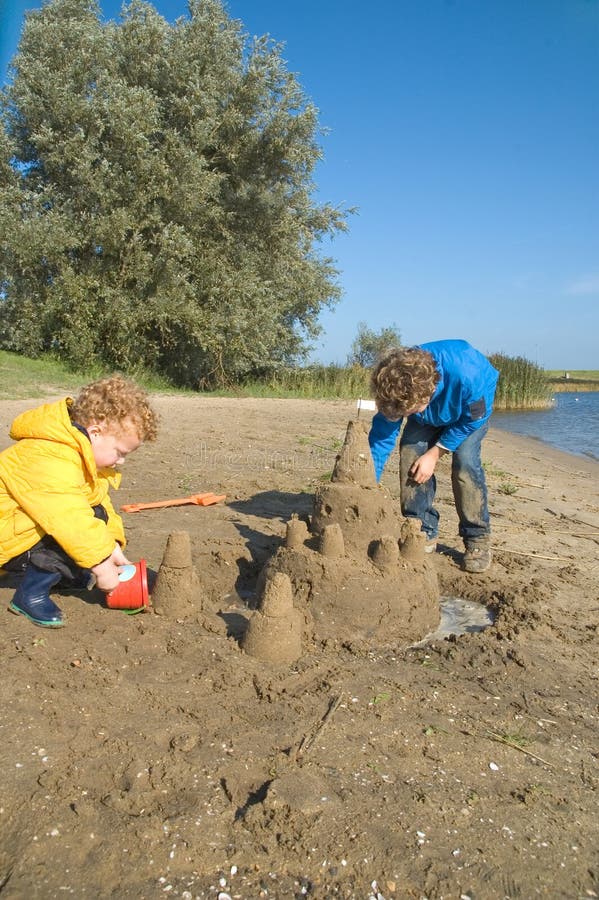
49	483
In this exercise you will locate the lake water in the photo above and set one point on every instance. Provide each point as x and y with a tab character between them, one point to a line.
571	425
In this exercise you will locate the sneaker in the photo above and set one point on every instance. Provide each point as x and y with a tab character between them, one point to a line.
477	559
431	545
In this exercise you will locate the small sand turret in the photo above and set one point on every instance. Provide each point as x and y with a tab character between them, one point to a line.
331	540
274	633
412	541
386	553
297	533
176	593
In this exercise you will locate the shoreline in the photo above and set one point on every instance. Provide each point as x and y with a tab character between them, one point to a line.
526	446
538	441
9	409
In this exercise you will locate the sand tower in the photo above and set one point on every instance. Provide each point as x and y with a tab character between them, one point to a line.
274	632
177	592
353	499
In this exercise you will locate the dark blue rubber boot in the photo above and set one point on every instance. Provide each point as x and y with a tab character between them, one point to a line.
32	599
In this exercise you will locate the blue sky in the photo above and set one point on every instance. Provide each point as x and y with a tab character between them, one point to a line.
466	134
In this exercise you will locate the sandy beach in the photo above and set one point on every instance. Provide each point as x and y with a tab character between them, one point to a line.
146	756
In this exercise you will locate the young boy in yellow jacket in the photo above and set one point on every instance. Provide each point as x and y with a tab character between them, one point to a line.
57	522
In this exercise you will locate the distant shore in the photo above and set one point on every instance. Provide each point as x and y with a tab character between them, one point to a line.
572	386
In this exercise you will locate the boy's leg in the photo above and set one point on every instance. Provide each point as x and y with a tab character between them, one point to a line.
417	499
48	555
470	495
43	567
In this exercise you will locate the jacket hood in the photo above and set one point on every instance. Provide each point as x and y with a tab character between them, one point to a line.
51	422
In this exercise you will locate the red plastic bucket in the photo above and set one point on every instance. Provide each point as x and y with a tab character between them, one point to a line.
132	592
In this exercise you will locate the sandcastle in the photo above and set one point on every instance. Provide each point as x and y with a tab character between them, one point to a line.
176	593
359	572
356	573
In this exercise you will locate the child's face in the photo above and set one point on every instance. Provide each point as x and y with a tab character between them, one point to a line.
416	409
111	443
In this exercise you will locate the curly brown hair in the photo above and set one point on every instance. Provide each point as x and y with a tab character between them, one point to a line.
404	378
113	400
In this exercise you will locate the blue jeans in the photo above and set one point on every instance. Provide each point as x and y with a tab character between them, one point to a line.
467	480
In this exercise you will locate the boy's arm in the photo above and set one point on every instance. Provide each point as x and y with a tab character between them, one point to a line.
382	439
115	523
473	417
474	410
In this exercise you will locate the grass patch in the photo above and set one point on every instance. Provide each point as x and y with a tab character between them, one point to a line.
577	381
22	378
332	382
576	374
380	698
507	488
492	470
514	738
522	385
333	447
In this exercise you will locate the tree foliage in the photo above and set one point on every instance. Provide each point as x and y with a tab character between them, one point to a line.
156	196
368	344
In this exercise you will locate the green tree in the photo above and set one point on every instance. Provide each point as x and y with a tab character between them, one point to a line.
158	210
368	345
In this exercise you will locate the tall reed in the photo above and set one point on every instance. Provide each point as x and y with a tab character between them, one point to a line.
312	382
522	384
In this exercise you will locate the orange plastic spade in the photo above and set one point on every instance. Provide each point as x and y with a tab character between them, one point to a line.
206	499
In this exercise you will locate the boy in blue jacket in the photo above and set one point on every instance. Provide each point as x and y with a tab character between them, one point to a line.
445	391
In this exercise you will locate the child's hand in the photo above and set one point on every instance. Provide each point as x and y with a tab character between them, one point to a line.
107	575
107	572
424	467
119	558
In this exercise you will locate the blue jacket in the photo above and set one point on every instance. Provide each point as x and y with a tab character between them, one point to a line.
462	402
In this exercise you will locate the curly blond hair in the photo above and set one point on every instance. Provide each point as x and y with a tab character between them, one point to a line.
113	400
402	379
